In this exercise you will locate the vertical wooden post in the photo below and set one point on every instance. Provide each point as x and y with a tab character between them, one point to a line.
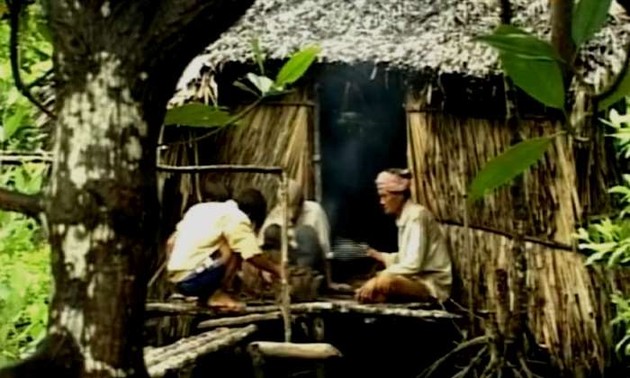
258	360
319	335
285	290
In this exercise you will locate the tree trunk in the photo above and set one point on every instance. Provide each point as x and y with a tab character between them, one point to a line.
116	67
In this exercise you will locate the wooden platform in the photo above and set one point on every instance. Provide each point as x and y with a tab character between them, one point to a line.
322	305
185	351
211	333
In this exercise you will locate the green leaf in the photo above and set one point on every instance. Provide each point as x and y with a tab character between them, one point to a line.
588	18
197	115
503	168
531	63
512	40
245	88
297	65
14	122
621	91
592	259
541	79
259	56
262	83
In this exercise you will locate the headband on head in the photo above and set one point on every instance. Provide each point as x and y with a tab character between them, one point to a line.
393	182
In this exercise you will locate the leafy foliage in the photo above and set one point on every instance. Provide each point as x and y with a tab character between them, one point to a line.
534	66
623	319
25	277
588	17
530	62
508	165
200	115
607	241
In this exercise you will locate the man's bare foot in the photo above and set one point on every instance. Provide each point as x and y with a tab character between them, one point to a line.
222	301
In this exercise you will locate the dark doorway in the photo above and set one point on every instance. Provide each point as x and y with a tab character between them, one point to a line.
362	130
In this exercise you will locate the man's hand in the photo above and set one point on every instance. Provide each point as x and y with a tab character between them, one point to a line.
376	255
263	262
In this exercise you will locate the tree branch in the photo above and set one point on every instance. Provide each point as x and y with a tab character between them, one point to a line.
28	204
15	8
506	12
561	35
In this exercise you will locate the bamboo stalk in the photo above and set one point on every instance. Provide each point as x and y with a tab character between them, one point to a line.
219	168
286	293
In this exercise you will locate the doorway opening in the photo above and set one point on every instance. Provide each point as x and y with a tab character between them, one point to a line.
362	131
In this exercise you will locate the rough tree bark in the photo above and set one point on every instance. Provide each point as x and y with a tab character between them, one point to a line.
116	65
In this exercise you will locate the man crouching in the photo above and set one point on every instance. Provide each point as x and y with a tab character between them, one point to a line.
421	269
210	243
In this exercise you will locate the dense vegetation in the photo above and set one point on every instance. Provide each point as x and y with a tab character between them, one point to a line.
25	278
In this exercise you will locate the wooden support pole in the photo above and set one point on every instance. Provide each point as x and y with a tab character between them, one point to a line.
219	168
286	290
319	335
311	351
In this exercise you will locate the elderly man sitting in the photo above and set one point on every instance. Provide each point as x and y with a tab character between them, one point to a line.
309	230
421	269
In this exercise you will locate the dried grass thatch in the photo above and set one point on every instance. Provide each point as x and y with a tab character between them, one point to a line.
569	304
403	34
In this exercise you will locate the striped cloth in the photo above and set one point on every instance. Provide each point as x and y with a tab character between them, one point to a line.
346	249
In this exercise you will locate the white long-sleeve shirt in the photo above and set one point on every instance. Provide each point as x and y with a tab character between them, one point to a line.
422	250
312	214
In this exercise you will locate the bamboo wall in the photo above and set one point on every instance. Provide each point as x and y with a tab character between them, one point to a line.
569	306
277	133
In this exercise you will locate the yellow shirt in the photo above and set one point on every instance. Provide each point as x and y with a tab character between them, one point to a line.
422	250
203	230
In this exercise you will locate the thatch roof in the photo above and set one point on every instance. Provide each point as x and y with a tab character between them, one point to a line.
406	34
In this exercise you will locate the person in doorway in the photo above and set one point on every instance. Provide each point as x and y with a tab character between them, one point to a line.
421	269
211	242
309	232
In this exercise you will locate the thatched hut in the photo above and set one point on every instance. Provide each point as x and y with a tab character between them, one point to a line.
403	83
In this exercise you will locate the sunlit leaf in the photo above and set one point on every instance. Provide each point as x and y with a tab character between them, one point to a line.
197	115
505	167
259	56
297	66
619	92
541	79
588	18
262	83
512	40
531	63
14	122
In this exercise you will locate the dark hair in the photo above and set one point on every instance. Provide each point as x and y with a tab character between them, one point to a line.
213	191
252	202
